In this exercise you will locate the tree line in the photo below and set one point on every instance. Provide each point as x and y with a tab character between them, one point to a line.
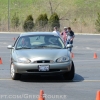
41	22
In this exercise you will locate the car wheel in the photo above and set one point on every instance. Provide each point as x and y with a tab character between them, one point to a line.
70	75
14	76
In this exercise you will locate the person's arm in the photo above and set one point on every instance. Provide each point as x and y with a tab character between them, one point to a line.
73	36
61	33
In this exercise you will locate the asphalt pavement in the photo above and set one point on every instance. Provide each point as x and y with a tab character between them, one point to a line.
83	87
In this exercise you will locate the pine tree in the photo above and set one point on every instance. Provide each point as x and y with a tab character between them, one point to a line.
15	21
28	23
54	21
42	20
97	23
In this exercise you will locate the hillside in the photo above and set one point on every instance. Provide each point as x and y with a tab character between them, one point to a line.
81	14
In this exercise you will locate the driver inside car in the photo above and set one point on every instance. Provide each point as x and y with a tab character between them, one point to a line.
26	42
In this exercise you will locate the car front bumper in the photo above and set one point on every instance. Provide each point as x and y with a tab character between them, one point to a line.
33	68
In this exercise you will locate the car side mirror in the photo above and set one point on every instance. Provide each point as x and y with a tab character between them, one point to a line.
10	47
69	46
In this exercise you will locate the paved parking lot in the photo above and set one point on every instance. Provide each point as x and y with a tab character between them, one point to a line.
84	86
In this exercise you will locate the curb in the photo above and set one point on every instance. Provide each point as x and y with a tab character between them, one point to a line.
10	32
86	34
75	33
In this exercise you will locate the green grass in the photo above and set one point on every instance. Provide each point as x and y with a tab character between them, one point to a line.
74	8
81	10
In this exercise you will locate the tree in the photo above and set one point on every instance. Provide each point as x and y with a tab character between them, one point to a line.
15	21
54	21
28	23
53	8
97	23
45	19
42	20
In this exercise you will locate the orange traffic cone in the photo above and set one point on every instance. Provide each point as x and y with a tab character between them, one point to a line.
72	55
95	56
98	95
0	61
41	95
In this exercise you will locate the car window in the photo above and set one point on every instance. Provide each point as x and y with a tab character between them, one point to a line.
36	40
40	41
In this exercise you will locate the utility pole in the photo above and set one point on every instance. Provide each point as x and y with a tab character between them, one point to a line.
8	16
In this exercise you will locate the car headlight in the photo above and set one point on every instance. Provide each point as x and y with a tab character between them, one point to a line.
23	60
62	59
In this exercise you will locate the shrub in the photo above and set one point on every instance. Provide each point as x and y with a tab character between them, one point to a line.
42	20
45	19
28	23
97	23
15	21
54	21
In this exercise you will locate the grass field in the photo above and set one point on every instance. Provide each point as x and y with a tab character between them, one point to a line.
81	13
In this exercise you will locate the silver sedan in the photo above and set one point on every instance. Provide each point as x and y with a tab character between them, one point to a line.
40	53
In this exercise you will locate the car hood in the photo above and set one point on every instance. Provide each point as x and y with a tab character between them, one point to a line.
37	54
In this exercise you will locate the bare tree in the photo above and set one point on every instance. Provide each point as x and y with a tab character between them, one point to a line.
53	10
57	6
51	7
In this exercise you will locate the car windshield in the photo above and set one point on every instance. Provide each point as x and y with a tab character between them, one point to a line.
40	41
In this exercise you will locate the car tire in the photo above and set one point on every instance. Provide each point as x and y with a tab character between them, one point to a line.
70	75
14	76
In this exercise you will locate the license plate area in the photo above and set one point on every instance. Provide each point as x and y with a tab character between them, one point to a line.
43	68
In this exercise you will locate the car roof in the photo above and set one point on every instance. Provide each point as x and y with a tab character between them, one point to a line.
38	33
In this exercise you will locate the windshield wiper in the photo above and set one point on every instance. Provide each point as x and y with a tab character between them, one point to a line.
23	48
47	46
55	47
39	46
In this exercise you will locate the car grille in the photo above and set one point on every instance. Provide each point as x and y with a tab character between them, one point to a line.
43	61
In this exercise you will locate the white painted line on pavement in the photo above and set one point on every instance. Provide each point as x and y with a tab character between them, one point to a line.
3	46
4	52
5	79
86	80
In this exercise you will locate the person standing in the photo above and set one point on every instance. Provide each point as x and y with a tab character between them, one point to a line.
70	37
64	35
56	31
